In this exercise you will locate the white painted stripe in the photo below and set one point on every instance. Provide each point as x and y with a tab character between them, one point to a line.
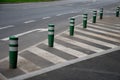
24	33
46	17
7	27
118	31
98	35
86	46
117	24
77	16
30	21
68	50
108	25
95	41
59	14
44	29
105	32
26	66
74	17
46	55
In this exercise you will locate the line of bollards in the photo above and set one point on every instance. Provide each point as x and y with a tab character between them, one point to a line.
13	41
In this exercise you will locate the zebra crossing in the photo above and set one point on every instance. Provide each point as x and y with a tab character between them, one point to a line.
96	38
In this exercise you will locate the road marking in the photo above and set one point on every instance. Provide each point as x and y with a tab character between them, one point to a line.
68	50
58	66
117	24
30	21
98	35
74	17
24	33
104	28
46	55
95	41
7	27
105	32
42	30
59	14
26	65
77	16
46	17
109	25
86	46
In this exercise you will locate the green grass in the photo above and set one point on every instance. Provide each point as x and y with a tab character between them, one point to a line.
22	1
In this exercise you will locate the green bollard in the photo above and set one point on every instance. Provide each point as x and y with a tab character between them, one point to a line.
117	11
94	16
85	20
72	24
13	52
101	13
51	35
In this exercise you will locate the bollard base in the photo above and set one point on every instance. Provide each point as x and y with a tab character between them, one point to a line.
13	59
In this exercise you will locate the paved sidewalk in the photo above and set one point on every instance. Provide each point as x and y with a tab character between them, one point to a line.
99	37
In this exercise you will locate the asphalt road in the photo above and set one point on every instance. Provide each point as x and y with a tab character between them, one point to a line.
30	20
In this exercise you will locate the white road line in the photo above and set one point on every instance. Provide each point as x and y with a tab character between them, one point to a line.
68	50
105	32
95	41
9	26
86	46
30	21
24	33
77	16
59	14
44	29
118	31
46	17
46	55
27	66
98	35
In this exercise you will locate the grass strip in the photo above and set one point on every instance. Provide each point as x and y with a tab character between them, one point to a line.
23	1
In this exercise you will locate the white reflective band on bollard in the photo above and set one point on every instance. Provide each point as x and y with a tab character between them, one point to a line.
84	19
13	42
50	28
13	49
50	33
71	20
71	24
84	15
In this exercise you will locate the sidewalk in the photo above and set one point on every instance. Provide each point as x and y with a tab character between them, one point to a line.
97	38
